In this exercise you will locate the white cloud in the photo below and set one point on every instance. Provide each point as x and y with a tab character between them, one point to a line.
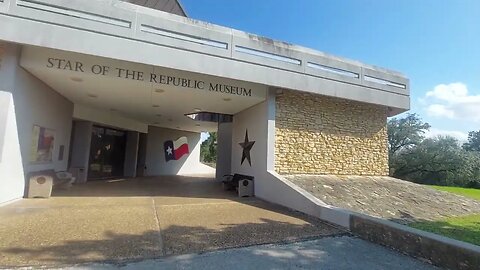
448	92
434	132
438	110
453	101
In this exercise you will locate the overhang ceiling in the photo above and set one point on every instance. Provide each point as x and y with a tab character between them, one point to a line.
142	100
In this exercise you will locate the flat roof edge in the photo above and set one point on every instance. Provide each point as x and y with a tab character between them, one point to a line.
265	40
181	43
182	8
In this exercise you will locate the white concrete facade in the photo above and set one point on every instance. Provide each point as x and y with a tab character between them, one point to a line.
11	169
27	101
77	64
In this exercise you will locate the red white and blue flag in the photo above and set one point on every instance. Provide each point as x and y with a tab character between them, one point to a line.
174	150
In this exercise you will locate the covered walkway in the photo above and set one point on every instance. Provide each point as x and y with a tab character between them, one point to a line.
139	218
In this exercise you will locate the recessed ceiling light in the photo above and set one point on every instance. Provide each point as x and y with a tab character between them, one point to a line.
76	79
92	95
159	91
155	105
227	99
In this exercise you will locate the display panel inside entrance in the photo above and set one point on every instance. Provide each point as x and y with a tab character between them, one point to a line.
107	153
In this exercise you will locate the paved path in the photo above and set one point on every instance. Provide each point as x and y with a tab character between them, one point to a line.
386	197
336	253
143	218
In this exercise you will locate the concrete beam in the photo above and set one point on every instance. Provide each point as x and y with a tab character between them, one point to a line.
120	30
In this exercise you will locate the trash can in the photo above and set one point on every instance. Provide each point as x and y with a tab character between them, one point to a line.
40	185
245	188
227	182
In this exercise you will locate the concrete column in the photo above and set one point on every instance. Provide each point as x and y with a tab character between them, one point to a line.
82	137
271	114
224	150
142	154
131	154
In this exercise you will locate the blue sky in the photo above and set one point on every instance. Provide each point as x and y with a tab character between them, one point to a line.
435	43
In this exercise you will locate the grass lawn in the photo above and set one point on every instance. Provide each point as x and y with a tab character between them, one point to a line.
467	192
465	228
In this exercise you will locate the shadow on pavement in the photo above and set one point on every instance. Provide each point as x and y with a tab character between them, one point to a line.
155	186
174	240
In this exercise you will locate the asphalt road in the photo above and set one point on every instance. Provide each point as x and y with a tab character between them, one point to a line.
337	253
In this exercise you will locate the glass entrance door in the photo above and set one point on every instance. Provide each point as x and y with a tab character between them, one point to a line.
107	153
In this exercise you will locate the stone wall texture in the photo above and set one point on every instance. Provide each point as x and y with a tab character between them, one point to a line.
323	135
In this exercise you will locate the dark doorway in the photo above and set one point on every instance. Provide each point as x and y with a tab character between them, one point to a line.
107	153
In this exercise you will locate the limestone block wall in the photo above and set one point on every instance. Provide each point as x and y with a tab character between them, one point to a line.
323	135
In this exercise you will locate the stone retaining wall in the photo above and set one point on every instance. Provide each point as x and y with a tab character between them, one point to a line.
323	135
438	250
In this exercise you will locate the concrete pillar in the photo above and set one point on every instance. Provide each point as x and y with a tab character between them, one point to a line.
82	137
224	150
142	154
131	154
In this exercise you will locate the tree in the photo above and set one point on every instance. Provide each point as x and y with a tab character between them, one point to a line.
437	160
473	143
472	169
404	133
472	146
208	149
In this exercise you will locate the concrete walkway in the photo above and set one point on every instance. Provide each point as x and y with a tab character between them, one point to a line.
336	253
143	218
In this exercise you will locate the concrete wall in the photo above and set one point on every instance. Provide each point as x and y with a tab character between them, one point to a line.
224	150
323	135
142	154
131	152
254	120
260	122
35	104
188	164
181	43
12	182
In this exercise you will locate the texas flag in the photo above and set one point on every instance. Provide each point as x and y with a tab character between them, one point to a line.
174	150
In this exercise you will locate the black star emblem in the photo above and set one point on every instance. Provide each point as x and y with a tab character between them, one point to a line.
247	146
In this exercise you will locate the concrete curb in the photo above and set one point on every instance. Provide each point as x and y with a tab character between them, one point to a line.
438	250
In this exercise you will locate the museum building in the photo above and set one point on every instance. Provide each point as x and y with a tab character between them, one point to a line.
116	89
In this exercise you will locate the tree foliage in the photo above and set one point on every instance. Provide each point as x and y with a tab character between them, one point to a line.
404	133
208	149
440	160
473	143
